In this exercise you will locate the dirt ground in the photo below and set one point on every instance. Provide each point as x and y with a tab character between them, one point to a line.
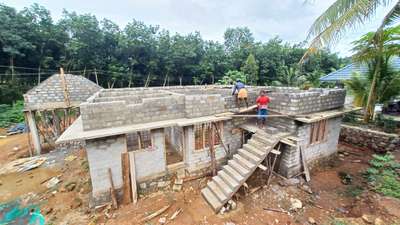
324	199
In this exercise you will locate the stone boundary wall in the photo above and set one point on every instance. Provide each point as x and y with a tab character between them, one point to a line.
366	138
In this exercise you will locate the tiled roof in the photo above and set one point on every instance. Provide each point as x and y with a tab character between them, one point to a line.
346	72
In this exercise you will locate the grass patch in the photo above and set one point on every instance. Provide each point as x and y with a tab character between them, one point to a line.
383	175
337	222
353	191
10	115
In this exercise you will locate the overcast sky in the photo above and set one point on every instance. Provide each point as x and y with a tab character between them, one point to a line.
289	19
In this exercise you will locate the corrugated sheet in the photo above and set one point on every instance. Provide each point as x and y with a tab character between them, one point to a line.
346	72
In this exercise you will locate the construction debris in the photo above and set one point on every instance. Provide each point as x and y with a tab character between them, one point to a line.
52	182
21	165
177	185
275	210
70	158
295	204
155	214
176	213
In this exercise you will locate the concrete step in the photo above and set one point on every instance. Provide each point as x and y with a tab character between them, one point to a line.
217	191
244	162
266	140
249	156
228	179
221	184
211	199
256	144
235	174
271	130
255	150
243	171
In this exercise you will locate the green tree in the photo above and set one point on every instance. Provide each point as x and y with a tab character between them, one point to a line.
14	35
250	69
381	83
231	76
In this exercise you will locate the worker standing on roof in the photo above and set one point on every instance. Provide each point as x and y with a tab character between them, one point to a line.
241	94
262	108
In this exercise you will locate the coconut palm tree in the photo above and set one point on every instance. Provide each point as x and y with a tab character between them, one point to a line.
376	49
345	14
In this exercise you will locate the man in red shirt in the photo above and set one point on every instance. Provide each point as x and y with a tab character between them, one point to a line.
262	103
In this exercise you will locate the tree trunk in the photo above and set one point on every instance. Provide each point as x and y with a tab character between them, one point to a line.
180	81
370	107
95	74
165	80
12	67
147	80
39	74
84	72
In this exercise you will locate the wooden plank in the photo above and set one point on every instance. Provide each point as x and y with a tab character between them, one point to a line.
249	109
155	214
65	88
304	163
288	142
132	167
262	167
112	190
126	186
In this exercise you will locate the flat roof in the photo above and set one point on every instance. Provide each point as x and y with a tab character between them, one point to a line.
317	116
75	132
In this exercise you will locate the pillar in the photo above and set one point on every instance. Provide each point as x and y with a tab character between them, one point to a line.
33	132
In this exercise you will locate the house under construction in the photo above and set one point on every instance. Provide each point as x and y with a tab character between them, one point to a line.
187	131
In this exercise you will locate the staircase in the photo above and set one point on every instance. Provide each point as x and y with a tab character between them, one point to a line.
232	176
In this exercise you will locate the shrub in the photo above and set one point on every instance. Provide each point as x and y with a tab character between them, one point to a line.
389	125
382	175
11	114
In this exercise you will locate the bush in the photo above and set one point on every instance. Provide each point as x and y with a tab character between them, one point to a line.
389	125
11	114
383	175
350	117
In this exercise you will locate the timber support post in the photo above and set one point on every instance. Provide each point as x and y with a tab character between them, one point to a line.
33	132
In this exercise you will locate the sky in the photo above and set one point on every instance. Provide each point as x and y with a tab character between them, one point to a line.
288	19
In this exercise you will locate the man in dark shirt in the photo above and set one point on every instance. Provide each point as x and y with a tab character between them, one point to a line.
241	94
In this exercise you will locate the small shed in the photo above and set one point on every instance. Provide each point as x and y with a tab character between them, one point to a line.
53	105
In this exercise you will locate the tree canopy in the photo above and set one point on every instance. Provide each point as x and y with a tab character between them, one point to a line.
33	46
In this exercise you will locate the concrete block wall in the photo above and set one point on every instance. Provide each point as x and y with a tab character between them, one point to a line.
99	115
203	105
307	101
151	162
102	154
50	93
290	162
118	107
198	159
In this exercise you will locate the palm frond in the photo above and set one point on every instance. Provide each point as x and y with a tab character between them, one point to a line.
359	88
337	19
392	17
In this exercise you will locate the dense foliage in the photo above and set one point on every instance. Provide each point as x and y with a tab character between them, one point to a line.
11	114
384	175
33	47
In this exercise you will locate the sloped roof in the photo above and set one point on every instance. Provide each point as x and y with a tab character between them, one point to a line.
50	93
346	72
